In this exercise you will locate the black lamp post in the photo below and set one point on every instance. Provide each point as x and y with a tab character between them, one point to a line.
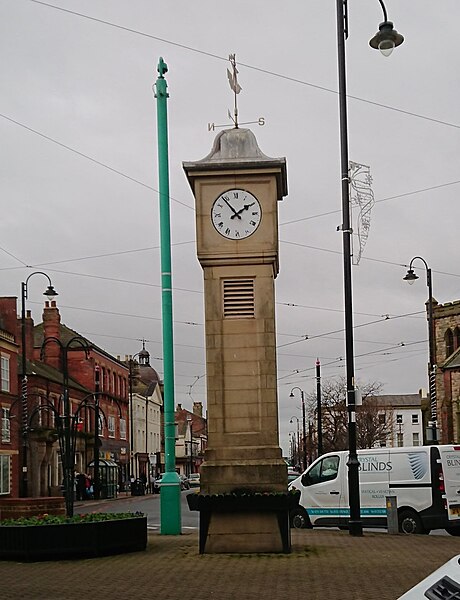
50	293
298	462
304	426
432	429
190	421
66	422
293	448
144	359
385	40
318	407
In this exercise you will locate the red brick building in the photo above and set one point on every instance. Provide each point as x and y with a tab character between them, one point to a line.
191	438
57	356
9	436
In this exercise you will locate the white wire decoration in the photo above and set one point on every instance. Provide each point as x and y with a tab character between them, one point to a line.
361	202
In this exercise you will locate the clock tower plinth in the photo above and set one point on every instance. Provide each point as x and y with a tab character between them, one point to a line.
236	189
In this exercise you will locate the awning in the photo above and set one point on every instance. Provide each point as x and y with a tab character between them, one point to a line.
104	462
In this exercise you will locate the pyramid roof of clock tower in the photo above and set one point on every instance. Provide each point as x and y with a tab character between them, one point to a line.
237	148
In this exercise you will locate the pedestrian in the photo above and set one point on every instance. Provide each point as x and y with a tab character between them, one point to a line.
89	489
80	480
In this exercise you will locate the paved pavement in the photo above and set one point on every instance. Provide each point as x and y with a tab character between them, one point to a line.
323	565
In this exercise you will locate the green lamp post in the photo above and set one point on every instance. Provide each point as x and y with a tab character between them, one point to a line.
170	521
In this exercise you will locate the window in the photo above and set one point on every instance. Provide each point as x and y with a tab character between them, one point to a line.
382	419
101	425
456	338
415	439
399	440
449	339
6	425
383	443
123	429
324	470
399	418
414	419
5	373
4	474
111	425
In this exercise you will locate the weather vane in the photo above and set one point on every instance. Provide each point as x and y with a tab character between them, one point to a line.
236	88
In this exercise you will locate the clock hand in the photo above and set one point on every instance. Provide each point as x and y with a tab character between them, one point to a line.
235	214
245	207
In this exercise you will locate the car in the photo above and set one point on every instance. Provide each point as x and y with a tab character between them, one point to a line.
292	474
156	483
194	480
184	482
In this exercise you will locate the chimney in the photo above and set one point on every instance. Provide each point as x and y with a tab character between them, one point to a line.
179	407
198	409
52	329
8	317
29	336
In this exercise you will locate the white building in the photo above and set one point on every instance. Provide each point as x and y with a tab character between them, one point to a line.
404	415
146	407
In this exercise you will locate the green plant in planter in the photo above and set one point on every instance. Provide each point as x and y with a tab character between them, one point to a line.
55	537
46	519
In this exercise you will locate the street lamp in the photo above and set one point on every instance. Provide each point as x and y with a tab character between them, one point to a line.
144	360
304	426
432	429
50	293
298	439
318	407
293	448
67	421
384	40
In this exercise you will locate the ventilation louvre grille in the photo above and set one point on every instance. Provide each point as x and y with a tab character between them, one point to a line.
239	299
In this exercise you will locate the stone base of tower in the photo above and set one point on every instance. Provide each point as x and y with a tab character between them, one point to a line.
240	532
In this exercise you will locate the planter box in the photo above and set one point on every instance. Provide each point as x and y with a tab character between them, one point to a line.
256	502
45	542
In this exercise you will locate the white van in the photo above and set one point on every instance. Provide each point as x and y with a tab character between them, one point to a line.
424	479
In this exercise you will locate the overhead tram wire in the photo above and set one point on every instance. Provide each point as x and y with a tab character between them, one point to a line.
90	158
241	64
145	185
342	359
403	195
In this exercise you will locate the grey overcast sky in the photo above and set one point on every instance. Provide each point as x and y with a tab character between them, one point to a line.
79	171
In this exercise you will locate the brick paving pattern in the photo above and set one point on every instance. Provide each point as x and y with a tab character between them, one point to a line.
323	565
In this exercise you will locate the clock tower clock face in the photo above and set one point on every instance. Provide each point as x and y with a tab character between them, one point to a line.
236	214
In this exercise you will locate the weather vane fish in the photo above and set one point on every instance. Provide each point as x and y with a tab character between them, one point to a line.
235	86
232	75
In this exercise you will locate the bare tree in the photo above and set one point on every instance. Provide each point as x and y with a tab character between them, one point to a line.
373	422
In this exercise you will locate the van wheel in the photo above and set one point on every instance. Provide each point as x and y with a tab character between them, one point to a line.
409	522
453	530
299	518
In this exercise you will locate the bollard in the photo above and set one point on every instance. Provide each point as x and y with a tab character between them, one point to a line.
392	514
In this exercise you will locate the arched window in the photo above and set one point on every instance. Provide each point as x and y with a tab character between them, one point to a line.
449	339
456	338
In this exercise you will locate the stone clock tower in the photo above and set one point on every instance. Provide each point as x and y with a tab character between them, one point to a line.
237	188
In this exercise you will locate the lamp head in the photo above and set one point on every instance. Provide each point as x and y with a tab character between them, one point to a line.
291	395
386	38
410	276
50	292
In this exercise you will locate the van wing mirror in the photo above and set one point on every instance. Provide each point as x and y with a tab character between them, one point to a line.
306	480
